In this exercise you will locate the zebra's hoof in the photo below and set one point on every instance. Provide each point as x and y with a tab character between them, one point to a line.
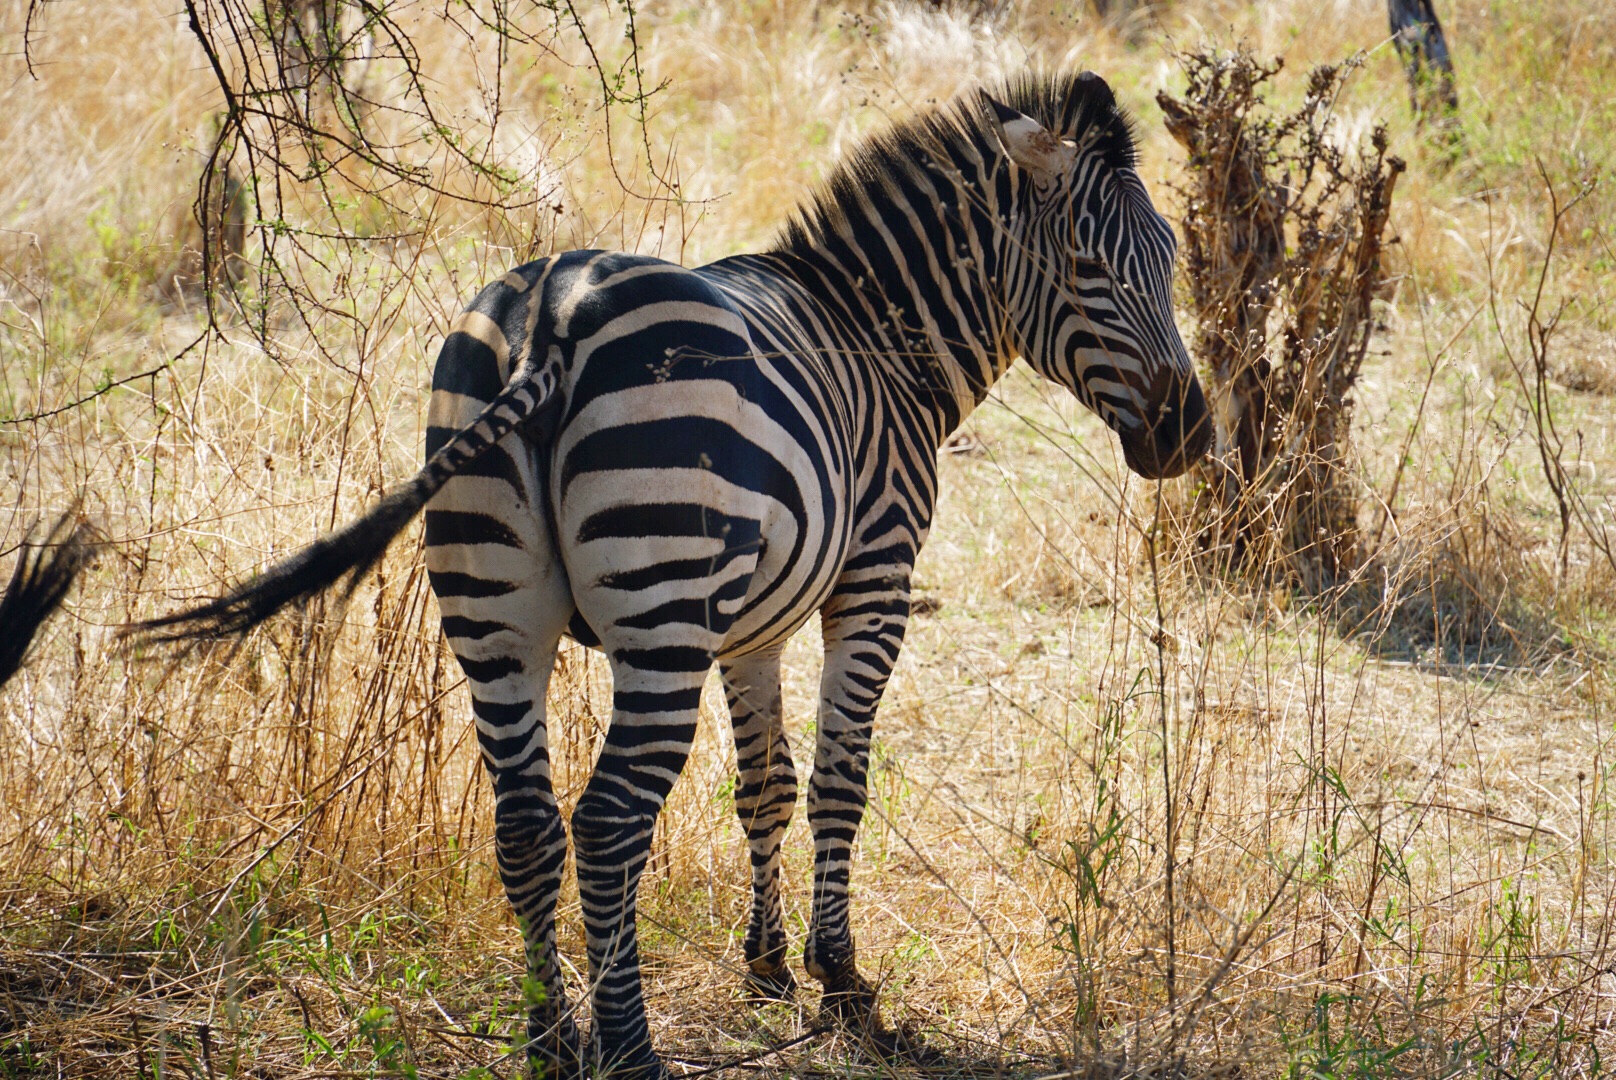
849	1002
639	1062
766	988
899	1047
553	1049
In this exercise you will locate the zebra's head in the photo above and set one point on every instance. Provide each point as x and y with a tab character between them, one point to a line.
1089	271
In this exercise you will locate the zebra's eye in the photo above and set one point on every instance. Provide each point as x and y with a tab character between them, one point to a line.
1083	264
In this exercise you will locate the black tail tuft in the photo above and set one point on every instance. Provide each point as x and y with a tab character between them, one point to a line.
352	550
347	553
43	575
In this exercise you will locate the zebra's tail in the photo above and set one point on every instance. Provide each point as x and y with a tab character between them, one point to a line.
529	401
42	577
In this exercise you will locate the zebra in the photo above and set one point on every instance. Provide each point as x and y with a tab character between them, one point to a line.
680	466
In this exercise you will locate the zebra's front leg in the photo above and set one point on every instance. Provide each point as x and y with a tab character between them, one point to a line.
653	727
863	632
765	796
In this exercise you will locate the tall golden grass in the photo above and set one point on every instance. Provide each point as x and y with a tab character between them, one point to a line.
1389	819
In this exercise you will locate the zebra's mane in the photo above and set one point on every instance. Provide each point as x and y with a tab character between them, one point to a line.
1079	107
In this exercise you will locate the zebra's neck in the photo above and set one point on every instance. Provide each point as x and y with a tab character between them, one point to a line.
910	260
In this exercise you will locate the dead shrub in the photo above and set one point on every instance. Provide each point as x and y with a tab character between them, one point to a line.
1283	236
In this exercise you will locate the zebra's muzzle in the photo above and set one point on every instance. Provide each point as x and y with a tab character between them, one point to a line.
1178	437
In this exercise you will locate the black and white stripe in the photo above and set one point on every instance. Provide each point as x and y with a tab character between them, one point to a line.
681	466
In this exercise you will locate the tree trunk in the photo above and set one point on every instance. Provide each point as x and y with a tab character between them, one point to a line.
1417	33
1130	18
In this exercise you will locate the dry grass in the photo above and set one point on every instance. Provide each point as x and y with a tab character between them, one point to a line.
1388	819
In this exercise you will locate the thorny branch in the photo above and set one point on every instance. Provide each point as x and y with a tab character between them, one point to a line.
333	135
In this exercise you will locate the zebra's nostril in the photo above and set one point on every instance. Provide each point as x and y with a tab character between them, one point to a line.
1191	429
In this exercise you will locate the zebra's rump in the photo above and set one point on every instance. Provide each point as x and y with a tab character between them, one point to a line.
690	477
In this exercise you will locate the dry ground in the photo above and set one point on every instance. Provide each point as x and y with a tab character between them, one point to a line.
1391	812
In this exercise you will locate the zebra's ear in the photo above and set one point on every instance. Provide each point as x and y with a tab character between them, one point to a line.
1029	144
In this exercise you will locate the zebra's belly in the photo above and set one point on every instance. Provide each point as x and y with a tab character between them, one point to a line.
785	590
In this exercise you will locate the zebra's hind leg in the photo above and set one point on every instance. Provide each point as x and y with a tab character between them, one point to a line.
656	692
505	600
530	843
509	672
530	837
765	795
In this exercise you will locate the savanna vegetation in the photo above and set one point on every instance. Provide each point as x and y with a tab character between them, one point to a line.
1145	800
